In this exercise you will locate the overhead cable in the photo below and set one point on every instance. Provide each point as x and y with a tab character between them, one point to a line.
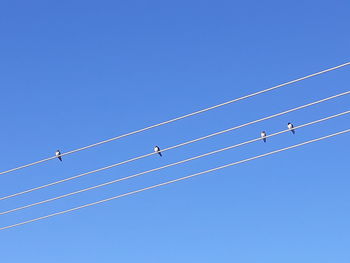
178	118
173	181
175	146
170	165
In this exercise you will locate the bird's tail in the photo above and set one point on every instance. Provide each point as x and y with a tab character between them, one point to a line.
60	158
293	131
160	154
264	139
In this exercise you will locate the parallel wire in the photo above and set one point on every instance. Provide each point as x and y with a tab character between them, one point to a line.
169	165
175	146
175	180
179	118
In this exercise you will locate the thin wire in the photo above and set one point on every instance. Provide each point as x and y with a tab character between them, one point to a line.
173	181
168	165
179	118
175	146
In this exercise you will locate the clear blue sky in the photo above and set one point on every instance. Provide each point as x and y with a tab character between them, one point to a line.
77	72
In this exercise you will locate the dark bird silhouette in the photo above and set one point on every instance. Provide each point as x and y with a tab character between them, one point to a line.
58	154
263	135
157	150
291	127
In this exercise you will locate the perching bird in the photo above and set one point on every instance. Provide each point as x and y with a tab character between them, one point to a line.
58	154
263	135
291	127
157	150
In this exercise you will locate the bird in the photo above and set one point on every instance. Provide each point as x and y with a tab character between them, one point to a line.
58	154
263	135
291	127
157	150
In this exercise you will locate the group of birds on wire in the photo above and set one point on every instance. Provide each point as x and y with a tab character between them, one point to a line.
290	126
156	148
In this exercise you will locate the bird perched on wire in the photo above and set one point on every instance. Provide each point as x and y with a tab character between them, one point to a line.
263	135
58	155
157	150
291	127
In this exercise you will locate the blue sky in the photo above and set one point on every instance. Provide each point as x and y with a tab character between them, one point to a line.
77	72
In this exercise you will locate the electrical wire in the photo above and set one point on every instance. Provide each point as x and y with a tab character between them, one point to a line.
173	181
175	146
169	165
178	118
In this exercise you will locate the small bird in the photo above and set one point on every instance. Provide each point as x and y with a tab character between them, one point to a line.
291	127
263	135
157	150
58	154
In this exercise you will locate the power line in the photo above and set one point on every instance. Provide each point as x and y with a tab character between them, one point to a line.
175	146
175	180
168	165
178	118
